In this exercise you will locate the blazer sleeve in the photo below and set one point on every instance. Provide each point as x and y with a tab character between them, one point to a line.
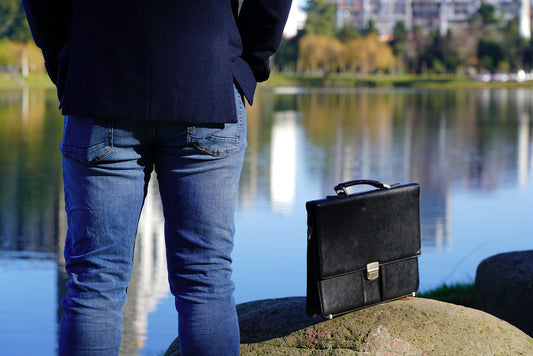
49	24
261	24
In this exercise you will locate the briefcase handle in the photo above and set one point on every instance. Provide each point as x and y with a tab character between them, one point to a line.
341	190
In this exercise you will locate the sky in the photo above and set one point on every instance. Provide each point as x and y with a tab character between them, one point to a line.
296	18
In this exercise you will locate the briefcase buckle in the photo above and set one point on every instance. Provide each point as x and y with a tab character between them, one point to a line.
372	270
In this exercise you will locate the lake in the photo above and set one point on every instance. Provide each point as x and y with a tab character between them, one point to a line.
470	151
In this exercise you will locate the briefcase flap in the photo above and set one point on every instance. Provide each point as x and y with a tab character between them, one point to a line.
365	230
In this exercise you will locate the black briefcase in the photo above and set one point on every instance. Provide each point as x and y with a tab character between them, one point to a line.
363	248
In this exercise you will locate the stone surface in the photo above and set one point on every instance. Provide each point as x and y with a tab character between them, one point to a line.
504	288
415	327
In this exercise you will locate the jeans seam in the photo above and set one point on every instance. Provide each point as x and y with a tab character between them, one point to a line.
217	153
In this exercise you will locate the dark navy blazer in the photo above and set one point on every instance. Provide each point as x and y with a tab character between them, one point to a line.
164	60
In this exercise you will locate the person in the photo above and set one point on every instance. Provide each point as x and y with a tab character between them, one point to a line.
151	85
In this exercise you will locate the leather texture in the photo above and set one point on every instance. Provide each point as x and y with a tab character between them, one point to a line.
346	233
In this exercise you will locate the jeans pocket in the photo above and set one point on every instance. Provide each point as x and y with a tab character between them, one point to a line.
86	139
222	139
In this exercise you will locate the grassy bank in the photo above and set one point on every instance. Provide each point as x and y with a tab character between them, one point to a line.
460	294
386	81
14	80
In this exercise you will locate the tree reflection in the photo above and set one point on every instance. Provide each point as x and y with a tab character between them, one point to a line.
30	174
442	139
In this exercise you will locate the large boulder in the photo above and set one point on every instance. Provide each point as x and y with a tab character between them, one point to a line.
415	327
504	288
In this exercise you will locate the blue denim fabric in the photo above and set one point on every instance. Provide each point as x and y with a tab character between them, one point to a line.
106	168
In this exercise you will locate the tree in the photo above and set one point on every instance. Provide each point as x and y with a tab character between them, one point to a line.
463	43
383	58
451	61
8	12
399	33
527	56
286	57
512	43
320	18
312	52
13	23
370	27
490	54
335	58
369	54
18	49
416	51
347	33
435	52
487	13
19	29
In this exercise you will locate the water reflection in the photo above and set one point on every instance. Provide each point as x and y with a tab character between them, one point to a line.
30	173
283	160
149	277
477	140
301	143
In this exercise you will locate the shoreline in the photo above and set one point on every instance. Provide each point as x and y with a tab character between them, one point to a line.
422	81
10	80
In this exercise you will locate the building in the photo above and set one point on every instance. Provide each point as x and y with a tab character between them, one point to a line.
442	15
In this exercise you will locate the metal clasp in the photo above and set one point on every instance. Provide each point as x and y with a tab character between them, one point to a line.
372	270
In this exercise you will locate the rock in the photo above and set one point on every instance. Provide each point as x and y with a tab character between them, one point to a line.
415	327
504	288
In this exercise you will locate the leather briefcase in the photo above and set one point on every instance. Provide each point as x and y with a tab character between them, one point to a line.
363	248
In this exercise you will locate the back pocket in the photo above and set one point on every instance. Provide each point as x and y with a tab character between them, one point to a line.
222	139
217	141
86	139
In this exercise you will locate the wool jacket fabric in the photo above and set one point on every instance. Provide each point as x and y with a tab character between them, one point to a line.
156	60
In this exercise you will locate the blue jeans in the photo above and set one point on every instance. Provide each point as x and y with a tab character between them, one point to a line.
106	168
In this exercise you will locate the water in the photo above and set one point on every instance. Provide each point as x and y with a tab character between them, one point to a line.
470	150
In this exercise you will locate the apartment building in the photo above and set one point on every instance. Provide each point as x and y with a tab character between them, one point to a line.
442	15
